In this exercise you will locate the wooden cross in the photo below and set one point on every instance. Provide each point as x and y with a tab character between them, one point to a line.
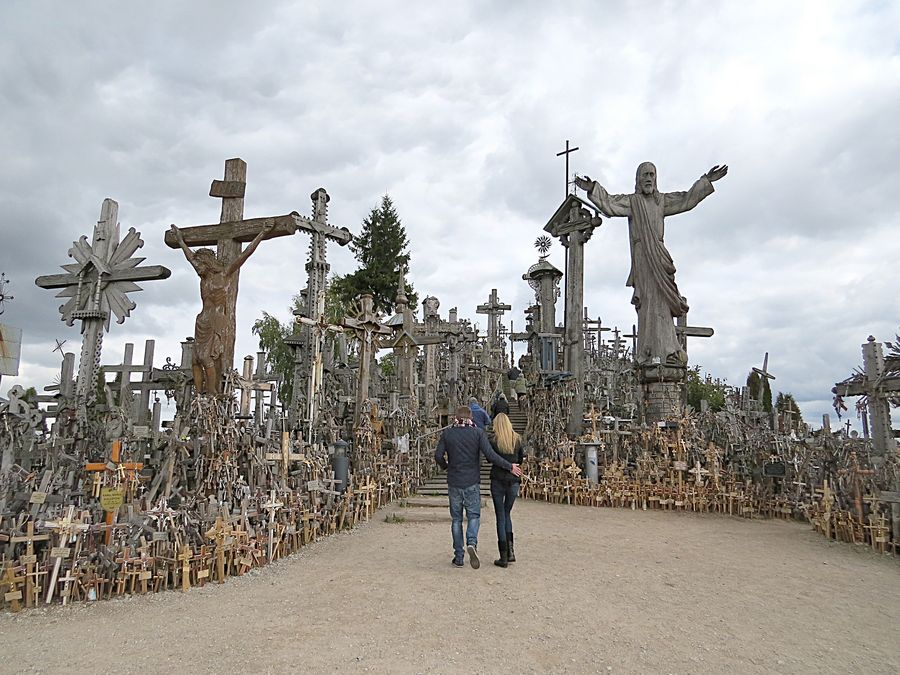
764	371
286	456
494	309
594	326
104	271
233	230
29	560
68	529
125	369
124	470
366	327
633	337
185	557
698	473
567	152
13	594
683	331
272	507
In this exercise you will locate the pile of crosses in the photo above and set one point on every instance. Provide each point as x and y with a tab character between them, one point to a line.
733	462
100	497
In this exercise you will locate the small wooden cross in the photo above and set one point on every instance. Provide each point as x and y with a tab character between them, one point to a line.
29	560
13	594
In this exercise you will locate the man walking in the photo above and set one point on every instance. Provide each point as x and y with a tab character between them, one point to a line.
458	452
479	415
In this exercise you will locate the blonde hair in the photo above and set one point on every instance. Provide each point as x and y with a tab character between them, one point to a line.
506	436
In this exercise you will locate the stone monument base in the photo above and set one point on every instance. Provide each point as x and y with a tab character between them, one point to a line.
662	387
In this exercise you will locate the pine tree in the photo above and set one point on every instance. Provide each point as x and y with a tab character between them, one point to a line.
381	249
760	389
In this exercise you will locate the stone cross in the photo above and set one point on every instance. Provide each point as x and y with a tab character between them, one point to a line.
97	285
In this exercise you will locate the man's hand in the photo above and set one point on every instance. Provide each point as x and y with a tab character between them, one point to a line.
584	182
716	173
516	470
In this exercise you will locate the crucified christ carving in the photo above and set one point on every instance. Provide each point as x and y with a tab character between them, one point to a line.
213	332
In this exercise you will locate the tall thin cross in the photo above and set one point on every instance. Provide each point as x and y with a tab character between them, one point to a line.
567	152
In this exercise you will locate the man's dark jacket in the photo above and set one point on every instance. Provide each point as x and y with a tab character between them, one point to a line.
458	451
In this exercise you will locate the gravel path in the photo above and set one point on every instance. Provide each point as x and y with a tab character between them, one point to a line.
594	590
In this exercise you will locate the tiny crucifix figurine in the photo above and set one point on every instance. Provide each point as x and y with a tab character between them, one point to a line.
213	332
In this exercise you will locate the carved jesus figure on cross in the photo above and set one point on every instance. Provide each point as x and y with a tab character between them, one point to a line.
213	331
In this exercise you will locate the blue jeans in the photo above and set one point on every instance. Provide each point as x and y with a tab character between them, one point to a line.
504	495
470	499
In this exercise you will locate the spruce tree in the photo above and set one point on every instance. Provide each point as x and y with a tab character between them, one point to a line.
381	249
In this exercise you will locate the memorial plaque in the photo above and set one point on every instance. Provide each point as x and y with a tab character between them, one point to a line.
679	465
774	469
59	552
38	497
111	498
312	485
141	431
27	559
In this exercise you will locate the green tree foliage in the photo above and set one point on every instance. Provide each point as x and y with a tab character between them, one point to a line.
335	307
381	249
388	364
704	389
272	334
786	402
760	389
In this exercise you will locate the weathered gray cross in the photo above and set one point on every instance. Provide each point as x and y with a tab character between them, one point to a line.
684	331
97	284
494	310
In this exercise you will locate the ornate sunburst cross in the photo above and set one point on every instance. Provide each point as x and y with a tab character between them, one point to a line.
103	273
97	285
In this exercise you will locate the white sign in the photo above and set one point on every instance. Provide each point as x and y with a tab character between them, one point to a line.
10	349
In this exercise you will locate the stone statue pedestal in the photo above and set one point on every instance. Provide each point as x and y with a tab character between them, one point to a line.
662	387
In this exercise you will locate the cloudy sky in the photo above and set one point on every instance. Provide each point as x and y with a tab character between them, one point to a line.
458	112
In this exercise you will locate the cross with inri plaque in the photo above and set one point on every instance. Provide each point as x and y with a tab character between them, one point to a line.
233	230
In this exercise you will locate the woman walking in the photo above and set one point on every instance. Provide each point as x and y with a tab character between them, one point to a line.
504	485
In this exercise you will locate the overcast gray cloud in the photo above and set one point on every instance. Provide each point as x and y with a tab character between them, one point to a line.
457	113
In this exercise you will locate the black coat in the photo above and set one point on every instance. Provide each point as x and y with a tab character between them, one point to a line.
459	452
500	406
515	457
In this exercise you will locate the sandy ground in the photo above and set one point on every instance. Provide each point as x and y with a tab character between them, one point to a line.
594	590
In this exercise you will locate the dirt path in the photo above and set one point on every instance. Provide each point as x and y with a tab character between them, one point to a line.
594	590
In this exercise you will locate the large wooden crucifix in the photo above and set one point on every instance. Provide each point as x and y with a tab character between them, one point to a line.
229	235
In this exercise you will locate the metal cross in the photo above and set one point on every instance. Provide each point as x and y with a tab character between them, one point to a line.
566	152
59	346
4	296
